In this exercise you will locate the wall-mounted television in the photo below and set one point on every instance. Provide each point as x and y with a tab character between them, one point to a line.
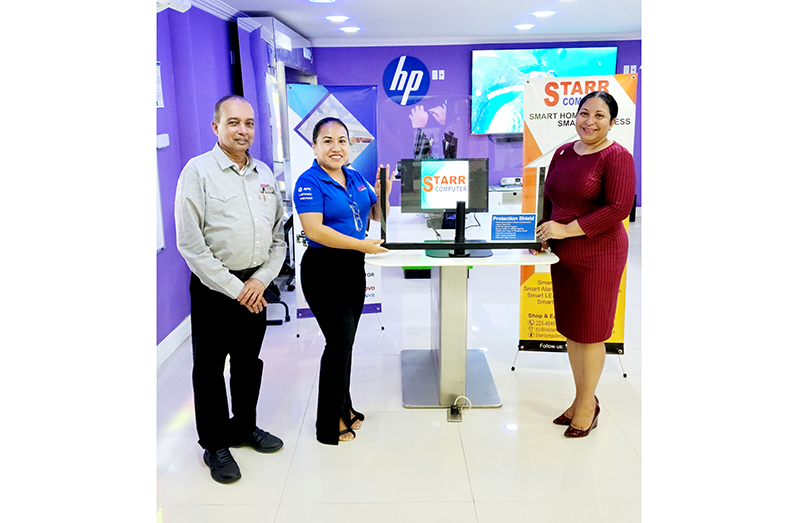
498	76
430	186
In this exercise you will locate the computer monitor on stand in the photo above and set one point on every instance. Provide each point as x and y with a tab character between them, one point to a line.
455	186
460	247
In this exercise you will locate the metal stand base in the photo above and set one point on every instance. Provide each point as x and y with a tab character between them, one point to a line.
420	380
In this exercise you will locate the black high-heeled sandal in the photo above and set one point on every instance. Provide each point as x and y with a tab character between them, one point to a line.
342	432
357	417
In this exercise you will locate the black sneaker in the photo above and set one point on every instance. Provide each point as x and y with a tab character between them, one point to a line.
224	468
261	441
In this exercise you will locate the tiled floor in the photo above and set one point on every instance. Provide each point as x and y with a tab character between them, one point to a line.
503	464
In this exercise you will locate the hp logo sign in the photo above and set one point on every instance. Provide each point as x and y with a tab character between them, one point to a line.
406	80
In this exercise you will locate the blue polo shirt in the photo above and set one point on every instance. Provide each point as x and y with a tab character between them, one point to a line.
316	191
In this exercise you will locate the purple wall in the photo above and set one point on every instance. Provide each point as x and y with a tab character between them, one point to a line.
365	66
194	51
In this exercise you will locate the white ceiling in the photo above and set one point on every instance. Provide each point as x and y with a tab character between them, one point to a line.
437	22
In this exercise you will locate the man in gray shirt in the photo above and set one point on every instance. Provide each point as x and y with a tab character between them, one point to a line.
228	214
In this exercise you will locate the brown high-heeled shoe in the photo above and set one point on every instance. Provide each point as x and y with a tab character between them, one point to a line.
562	420
565	420
573	432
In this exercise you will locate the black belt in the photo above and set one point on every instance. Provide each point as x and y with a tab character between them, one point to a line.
245	274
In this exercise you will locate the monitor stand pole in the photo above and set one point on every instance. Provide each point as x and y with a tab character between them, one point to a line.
459	237
459	231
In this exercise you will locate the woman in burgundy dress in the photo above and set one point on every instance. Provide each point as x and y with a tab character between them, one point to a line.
589	191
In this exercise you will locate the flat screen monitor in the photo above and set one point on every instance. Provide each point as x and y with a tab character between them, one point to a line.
436	185
498	77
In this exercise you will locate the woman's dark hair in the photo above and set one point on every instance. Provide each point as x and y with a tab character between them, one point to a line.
606	98
324	121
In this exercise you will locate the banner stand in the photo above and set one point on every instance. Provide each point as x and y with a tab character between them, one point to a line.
379	318
550	106
520	348
356	106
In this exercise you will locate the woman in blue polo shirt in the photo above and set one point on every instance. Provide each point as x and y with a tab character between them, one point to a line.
334	203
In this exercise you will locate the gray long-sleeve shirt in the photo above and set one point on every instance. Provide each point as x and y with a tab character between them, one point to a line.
229	220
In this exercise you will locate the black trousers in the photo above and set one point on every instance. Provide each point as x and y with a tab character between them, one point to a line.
220	326
334	283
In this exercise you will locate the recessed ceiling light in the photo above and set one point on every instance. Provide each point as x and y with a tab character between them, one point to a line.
543	14
523	27
350	29
322	1
337	18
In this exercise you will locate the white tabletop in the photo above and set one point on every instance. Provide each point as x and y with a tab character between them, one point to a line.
412	228
417	258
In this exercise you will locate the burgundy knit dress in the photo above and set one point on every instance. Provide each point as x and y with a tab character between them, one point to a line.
597	190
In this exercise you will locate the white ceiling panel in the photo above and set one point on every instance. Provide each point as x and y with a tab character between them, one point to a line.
436	22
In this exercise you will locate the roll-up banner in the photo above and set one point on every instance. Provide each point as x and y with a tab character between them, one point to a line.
356	106
550	106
